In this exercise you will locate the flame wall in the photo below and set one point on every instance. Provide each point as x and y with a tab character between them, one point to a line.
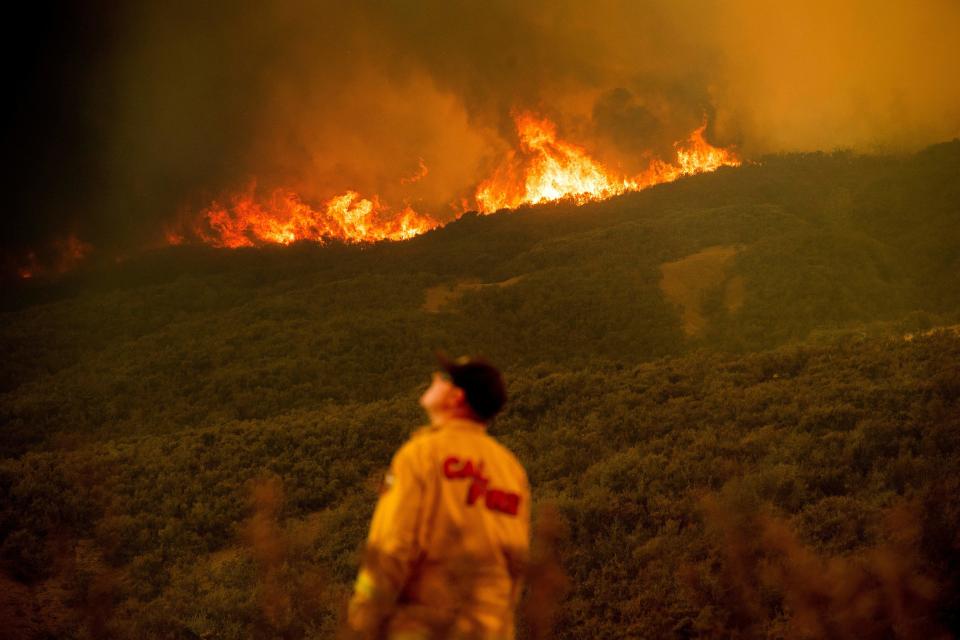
147	109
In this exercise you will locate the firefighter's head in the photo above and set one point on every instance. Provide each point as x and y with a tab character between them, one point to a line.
464	388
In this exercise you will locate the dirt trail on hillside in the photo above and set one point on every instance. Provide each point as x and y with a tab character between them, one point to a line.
441	296
686	281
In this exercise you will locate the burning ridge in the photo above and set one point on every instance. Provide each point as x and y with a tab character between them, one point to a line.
546	168
543	168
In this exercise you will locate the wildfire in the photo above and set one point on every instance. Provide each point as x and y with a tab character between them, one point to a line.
546	168
60	256
421	173
283	218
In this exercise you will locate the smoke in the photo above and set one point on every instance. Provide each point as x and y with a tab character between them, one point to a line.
821	75
164	106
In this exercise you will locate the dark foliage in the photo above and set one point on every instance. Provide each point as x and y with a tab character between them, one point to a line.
697	474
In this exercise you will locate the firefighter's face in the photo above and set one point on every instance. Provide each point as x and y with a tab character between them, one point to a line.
442	396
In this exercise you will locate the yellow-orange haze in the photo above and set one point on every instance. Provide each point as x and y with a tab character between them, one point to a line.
412	107
364	97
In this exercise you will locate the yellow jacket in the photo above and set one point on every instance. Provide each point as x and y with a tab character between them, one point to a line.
448	540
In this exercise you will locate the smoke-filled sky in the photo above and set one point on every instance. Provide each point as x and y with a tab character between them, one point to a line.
128	114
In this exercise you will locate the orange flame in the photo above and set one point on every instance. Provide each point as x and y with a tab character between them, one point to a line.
543	169
283	218
421	173
547	168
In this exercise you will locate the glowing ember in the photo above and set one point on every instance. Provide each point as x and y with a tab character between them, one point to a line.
60	256
547	169
28	270
245	221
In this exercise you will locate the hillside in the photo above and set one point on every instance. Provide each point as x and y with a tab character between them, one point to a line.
185	337
711	357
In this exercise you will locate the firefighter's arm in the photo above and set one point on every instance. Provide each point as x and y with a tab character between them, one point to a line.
392	547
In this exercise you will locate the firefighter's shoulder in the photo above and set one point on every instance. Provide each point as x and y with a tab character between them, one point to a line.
420	432
415	444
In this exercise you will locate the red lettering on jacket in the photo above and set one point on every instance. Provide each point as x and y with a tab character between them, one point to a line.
450	467
453	468
494	499
503	501
477	488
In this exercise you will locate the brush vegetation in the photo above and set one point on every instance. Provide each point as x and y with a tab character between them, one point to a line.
737	394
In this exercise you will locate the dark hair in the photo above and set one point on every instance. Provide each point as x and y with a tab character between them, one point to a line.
481	382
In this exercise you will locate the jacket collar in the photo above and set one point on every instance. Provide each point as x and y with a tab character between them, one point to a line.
461	423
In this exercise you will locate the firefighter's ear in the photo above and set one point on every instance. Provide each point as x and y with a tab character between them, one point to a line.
457	396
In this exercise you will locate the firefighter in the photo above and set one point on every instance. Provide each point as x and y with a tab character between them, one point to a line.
450	533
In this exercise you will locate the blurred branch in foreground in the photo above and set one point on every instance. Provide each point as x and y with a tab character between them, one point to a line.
547	583
762	572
